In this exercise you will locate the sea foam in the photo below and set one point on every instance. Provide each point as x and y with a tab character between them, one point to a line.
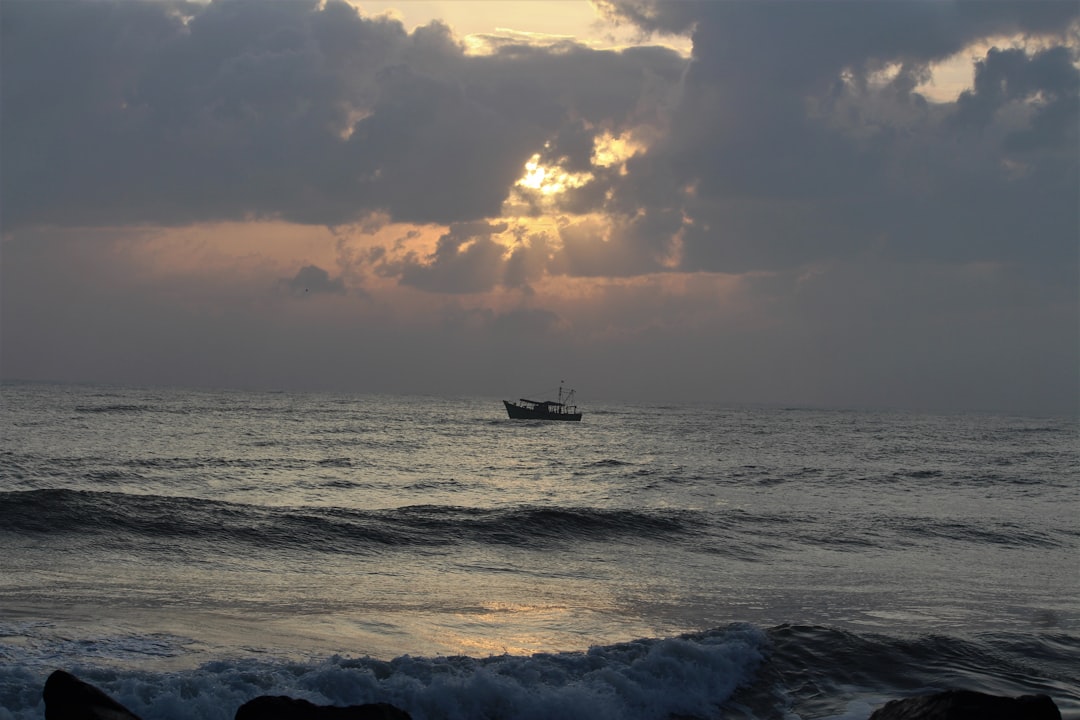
691	675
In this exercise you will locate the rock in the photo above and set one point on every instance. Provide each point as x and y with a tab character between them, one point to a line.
267	707
968	705
69	698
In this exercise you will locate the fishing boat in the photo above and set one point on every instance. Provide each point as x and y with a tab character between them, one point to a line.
561	409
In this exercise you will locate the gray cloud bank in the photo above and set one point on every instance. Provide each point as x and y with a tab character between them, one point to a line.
166	112
794	145
777	149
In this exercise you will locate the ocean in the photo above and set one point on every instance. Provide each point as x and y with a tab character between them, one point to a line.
188	550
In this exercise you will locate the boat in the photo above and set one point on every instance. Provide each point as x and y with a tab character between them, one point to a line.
561	409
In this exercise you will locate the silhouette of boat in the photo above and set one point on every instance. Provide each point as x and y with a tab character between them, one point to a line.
562	409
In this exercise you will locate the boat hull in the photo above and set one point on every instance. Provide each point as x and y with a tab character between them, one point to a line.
519	412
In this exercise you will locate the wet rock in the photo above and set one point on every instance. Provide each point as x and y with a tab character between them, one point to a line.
69	698
268	707
968	705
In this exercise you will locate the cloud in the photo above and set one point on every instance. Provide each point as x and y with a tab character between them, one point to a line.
313	280
784	216
465	260
774	146
1043	87
173	112
786	147
113	306
829	34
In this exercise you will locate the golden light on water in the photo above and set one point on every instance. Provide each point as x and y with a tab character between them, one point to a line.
510	628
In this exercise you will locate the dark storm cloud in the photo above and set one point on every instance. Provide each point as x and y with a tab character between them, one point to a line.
844	31
779	150
170	113
312	279
786	147
1006	77
466	260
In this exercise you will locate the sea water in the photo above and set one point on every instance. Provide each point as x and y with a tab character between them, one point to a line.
188	550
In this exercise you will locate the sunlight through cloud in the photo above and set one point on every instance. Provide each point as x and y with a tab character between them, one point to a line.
550	179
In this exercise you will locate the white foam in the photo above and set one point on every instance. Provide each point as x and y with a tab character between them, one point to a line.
642	679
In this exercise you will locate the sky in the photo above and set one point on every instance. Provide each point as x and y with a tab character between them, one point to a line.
841	203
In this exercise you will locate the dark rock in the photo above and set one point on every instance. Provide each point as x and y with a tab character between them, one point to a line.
69	698
968	705
266	707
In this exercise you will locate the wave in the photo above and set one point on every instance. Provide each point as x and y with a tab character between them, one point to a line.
164	527
919	474
690	676
113	408
1007	534
608	462
873	531
813	671
63	512
793	671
